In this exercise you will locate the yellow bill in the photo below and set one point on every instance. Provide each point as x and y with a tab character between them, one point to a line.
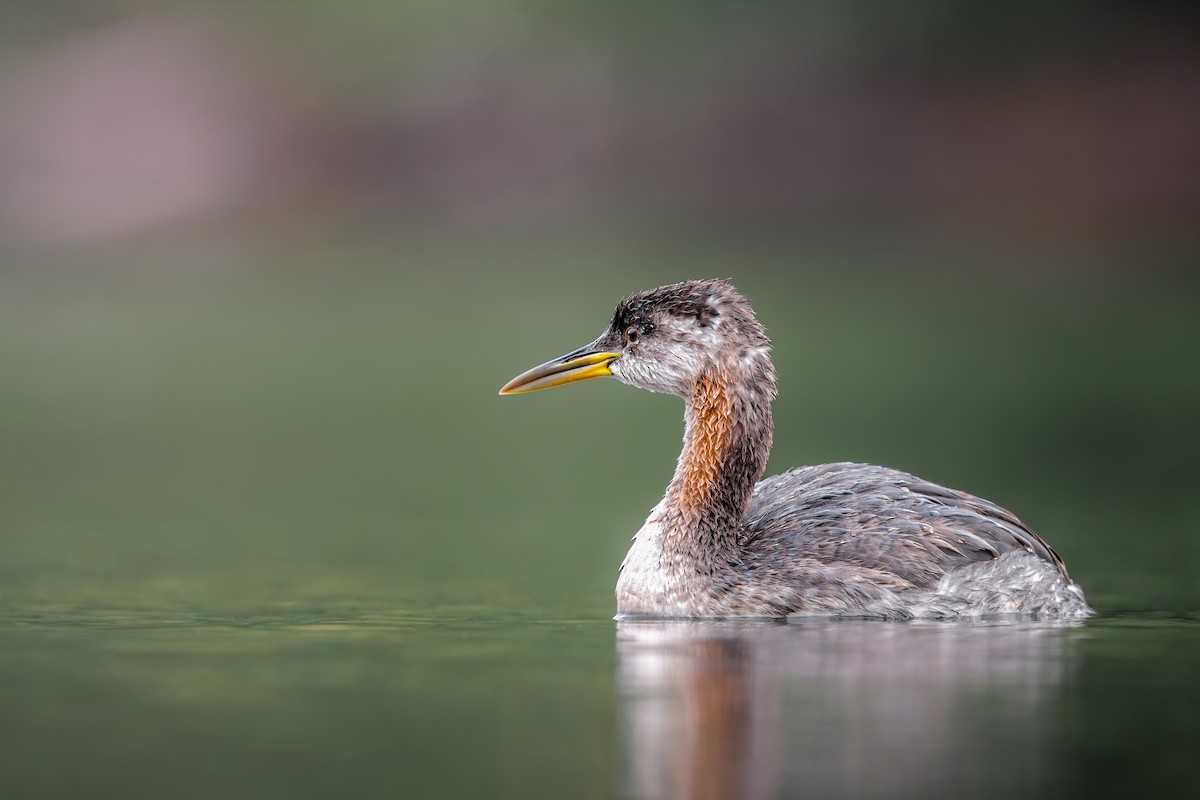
573	367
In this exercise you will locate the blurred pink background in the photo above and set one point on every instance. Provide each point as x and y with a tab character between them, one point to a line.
1060	124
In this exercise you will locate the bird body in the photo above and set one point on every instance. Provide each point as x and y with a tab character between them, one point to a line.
837	539
852	540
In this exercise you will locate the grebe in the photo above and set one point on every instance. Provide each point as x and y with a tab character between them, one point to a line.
837	539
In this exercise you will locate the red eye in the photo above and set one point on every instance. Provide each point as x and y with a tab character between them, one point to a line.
632	334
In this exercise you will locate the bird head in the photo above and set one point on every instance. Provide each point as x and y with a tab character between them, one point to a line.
664	340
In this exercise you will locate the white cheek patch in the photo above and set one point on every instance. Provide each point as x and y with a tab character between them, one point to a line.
679	350
669	374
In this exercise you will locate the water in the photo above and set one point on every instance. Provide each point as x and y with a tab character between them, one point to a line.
450	703
266	531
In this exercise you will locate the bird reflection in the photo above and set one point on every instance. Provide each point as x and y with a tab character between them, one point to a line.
829	709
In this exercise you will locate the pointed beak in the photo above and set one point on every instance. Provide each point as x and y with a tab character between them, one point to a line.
578	365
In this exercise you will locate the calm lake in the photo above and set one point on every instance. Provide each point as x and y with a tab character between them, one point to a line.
446	703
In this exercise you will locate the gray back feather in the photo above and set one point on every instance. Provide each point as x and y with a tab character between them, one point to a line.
882	519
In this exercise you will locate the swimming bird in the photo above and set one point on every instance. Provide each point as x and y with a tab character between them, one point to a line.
831	540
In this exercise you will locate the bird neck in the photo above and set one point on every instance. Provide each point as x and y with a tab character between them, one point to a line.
726	445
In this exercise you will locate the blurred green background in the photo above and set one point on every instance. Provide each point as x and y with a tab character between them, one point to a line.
266	528
265	265
321	424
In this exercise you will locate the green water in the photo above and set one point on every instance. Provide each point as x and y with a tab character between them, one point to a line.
267	531
455	703
294	703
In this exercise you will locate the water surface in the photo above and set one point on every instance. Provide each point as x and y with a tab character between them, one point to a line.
459	702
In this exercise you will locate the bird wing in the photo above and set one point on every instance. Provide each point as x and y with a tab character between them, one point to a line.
882	519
